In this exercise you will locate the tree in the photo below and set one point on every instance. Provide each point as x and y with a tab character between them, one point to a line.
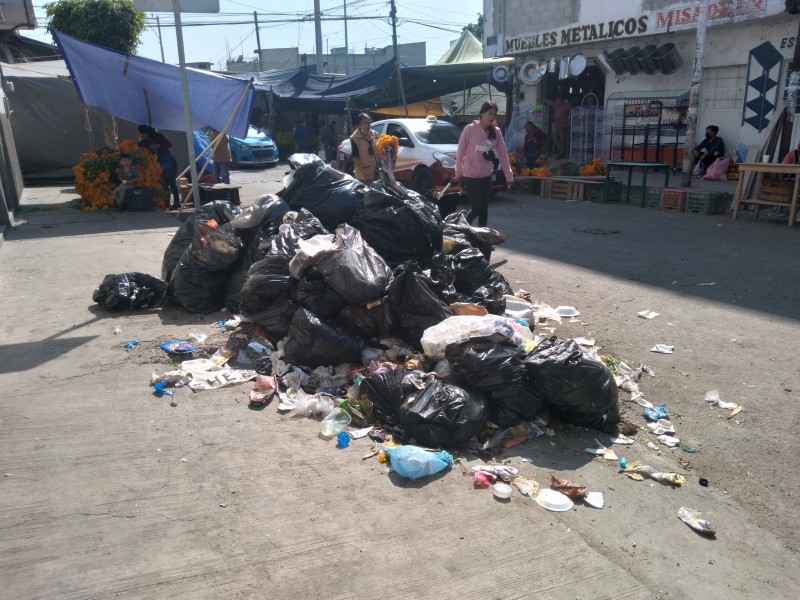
476	28
114	24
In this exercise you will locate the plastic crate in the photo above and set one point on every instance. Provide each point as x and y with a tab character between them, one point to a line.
708	203
674	199
593	192
139	199
652	197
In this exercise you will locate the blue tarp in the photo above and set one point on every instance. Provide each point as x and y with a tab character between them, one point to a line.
142	90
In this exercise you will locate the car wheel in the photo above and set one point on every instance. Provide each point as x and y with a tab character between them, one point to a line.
423	181
234	161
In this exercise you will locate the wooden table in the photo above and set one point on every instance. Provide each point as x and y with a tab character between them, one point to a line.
764	197
645	166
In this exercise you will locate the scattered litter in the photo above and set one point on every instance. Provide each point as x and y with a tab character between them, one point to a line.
636	468
639	399
342	440
178	347
705	283
693	518
689	449
651	445
661	427
116	330
335	422
414	462
360	433
160	388
574	491
553	500
648	314
263	391
736	411
582	341
594	499
703	482
623	440
198	338
374	451
131	345
567	311
659	412
503	472
669	440
502	491
606	453
712	397
526	487
663	349
481	479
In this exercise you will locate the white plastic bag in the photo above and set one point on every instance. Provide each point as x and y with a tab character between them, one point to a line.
517	308
461	327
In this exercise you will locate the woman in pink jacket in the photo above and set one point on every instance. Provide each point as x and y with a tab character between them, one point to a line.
480	150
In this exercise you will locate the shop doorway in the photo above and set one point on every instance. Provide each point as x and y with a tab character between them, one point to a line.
578	90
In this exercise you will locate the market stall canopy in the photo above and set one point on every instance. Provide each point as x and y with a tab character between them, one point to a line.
146	91
417	109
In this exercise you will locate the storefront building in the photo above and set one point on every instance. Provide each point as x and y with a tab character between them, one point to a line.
626	69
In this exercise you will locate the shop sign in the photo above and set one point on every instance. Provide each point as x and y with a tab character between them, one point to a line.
686	15
580	34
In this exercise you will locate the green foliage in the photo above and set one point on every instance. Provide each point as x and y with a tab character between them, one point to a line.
114	24
476	28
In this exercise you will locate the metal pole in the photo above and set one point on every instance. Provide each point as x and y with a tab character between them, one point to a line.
258	44
402	91
694	96
318	36
393	16
187	112
160	41
346	43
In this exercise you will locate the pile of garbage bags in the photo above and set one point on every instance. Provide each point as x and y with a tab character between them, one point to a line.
330	267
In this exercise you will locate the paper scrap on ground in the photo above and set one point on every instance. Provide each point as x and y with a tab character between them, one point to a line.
693	518
648	314
663	348
582	341
360	433
669	440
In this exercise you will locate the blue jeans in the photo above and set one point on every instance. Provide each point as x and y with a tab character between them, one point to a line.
222	172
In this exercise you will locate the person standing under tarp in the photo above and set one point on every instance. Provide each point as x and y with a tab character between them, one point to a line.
222	157
154	141
363	144
561	114
326	140
481	150
301	138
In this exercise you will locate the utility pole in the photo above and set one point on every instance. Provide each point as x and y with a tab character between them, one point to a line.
393	16
160	41
318	36
258	44
694	95
346	44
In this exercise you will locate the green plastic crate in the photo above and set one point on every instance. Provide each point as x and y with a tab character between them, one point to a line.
708	203
652	197
593	192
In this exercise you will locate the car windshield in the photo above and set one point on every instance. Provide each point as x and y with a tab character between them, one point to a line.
254	132
440	132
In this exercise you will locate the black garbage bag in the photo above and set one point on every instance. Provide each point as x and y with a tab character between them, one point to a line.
274	318
371	321
330	195
483	238
199	281
266	210
314	343
221	211
413	305
495	366
491	297
400	229
130	291
313	293
354	270
472	271
431	412
578	388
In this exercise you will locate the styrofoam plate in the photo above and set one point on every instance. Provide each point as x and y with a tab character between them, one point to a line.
567	311
553	500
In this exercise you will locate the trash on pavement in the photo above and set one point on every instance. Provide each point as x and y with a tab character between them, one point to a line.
342	440
160	388
573	490
178	347
335	422
414	462
712	397
504	472
694	519
669	440
659	412
594	499
482	479
648	314
131	345
567	311
641	470
526	487
360	433
130	291
553	500
663	349
622	440
661	427
263	391
502	491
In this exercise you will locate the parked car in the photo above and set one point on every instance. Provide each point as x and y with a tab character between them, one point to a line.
256	149
426	158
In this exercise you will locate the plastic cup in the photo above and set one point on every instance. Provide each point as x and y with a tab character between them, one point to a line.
335	422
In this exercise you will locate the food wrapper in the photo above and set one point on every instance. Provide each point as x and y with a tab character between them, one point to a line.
575	491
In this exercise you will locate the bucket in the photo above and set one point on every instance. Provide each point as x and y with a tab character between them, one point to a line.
629	58
667	58
563	69
602	61
645	58
615	60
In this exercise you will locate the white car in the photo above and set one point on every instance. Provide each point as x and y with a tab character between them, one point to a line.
426	158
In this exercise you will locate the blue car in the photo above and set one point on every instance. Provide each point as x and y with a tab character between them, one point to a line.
257	149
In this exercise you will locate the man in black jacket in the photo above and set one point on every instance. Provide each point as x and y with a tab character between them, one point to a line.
710	149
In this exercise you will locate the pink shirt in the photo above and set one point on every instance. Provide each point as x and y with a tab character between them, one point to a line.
473	143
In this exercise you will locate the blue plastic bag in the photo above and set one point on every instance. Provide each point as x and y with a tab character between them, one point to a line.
415	462
658	412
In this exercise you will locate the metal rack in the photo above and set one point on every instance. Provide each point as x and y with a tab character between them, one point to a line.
588	134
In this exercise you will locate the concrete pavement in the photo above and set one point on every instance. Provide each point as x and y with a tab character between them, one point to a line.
110	491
